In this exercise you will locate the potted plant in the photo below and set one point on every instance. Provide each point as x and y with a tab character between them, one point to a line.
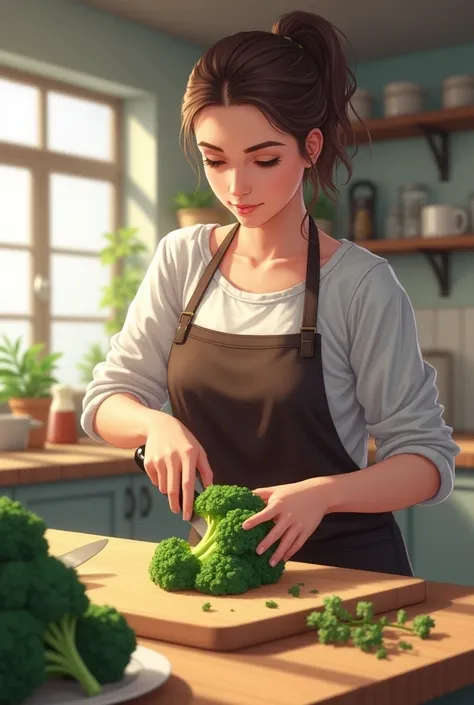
193	208
26	379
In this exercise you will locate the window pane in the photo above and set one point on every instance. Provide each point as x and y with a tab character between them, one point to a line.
15	204
15	282
15	329
81	212
80	127
19	111
74	341
76	284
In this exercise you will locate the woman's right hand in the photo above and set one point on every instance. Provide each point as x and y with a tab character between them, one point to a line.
172	455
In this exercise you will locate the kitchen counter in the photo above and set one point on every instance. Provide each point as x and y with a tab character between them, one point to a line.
299	671
89	459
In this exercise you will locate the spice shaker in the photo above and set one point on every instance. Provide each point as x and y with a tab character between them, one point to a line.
413	198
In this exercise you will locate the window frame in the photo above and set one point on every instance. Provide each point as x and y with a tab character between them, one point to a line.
42	162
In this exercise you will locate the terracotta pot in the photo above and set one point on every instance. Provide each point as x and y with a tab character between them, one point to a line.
196	216
37	408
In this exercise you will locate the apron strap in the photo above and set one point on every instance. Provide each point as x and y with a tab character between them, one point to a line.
187	316
310	311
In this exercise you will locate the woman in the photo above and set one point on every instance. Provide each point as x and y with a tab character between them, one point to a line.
280	348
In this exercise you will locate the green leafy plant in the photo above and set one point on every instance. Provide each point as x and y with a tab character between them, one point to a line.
123	249
336	625
25	374
203	198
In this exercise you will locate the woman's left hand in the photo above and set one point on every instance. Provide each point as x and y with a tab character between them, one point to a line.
297	510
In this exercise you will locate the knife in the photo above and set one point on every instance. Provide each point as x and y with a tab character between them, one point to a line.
197	522
82	554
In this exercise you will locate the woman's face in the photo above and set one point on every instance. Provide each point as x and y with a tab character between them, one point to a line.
249	163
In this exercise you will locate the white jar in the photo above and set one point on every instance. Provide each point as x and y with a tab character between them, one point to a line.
458	91
362	102
402	98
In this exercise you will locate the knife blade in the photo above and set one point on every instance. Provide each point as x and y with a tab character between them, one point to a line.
82	554
197	522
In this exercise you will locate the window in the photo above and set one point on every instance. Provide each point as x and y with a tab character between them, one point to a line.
60	166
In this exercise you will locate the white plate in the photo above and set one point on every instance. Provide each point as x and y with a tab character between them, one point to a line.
146	671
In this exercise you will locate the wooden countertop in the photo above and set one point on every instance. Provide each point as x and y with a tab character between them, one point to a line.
89	459
300	671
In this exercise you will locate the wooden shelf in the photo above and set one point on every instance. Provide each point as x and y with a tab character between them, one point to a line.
452	243
435	126
403	126
437	251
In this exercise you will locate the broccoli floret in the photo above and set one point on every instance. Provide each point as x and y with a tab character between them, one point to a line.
225	560
232	538
105	642
225	574
21	532
271	604
22	665
15	579
174	565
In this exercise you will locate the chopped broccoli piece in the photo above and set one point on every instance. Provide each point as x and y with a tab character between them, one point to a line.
206	607
315	591
22	666
55	590
225	561
105	642
21	532
271	604
295	590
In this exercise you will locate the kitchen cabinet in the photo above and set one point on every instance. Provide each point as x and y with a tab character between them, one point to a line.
125	506
8	492
439	538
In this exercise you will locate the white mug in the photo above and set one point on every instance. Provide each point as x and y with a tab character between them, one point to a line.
439	220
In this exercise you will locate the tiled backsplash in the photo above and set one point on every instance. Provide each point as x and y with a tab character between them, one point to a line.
452	330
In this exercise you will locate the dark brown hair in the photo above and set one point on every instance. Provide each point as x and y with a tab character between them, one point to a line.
297	75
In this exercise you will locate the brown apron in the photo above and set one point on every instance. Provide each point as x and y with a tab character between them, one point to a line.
258	406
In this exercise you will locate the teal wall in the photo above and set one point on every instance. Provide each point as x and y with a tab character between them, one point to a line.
393	164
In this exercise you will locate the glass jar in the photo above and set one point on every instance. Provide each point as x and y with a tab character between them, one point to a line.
413	198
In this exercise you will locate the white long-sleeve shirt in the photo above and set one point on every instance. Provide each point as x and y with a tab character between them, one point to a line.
376	380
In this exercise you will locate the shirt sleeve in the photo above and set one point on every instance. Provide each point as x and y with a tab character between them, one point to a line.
137	360
396	388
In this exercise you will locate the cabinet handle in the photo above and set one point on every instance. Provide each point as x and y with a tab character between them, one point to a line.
129	503
145	501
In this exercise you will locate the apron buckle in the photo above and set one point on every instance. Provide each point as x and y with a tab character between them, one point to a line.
185	319
308	335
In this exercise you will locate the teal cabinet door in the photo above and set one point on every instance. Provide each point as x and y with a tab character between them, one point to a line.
441	537
152	519
7	492
94	506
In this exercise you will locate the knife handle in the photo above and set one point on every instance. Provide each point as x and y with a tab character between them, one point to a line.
139	458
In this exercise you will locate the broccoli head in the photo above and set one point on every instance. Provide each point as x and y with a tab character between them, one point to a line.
225	560
21	532
22	664
105	642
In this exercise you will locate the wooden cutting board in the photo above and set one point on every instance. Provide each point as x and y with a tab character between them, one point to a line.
118	576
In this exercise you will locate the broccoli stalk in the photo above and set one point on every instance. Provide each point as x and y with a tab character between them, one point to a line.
63	659
207	545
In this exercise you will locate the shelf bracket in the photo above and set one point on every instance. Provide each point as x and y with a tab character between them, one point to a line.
439	148
440	264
